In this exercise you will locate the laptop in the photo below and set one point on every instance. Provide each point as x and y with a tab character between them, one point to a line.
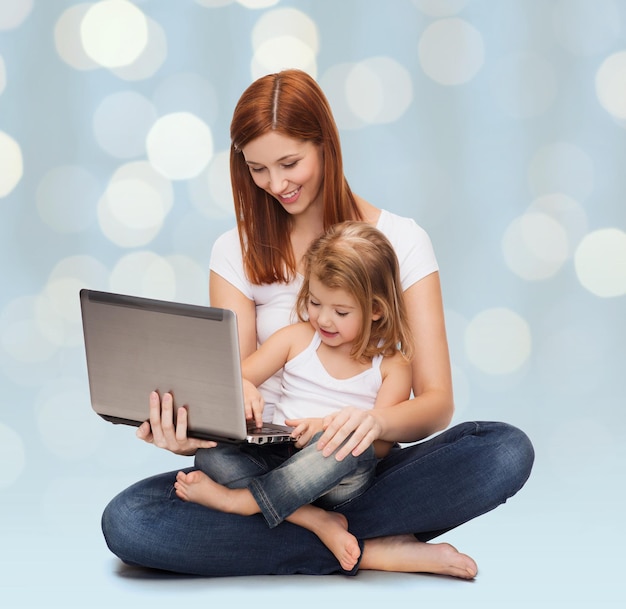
135	345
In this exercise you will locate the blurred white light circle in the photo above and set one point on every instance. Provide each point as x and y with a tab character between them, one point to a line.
611	85
57	307
67	197
190	279
121	123
451	51
280	34
379	90
257	4
114	33
561	167
600	262
135	204
524	85
12	456
130	213
179	145
565	210
145	172
333	82
270	56
14	12
498	341
11	163
67	40
440	8
146	274
535	246
151	59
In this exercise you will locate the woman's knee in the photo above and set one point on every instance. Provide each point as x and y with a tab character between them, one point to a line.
512	453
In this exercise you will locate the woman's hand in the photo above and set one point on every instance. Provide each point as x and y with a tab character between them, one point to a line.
161	431
304	429
362	424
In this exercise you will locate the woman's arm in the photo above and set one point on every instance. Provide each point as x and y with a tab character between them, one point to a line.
225	295
395	388
432	407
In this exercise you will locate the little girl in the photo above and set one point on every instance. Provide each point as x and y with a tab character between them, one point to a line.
351	347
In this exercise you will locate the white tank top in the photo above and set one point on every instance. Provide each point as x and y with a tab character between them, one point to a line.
308	390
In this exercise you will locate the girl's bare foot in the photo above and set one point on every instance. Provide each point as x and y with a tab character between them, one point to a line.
405	554
197	487
332	529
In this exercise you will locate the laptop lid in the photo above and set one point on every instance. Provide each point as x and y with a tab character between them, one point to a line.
135	345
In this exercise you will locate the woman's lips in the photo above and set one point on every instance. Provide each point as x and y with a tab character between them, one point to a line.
290	197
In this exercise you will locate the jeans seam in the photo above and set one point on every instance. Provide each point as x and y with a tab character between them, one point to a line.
269	513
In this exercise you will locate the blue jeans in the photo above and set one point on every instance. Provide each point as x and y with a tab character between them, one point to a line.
282	478
425	489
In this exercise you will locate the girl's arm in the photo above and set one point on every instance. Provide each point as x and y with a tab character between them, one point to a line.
432	407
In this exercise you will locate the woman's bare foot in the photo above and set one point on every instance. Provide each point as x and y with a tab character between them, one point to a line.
405	554
332	529
197	487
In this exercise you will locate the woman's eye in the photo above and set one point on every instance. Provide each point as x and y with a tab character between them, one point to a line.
290	165
256	169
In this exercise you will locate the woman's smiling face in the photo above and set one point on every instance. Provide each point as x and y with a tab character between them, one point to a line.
288	169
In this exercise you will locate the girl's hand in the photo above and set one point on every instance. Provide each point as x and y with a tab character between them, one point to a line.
304	429
363	426
161	431
253	403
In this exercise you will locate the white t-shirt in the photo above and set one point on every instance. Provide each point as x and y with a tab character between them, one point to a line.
275	302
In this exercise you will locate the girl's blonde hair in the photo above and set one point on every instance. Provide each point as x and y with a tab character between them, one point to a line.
358	258
290	103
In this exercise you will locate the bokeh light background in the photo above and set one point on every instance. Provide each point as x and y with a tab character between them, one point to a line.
499	125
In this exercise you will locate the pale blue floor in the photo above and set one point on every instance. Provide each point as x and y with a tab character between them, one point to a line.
553	545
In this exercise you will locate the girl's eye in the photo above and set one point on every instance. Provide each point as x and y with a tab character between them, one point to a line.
341	313
313	303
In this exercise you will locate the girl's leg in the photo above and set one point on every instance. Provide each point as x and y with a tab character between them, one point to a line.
424	489
233	465
308	476
330	527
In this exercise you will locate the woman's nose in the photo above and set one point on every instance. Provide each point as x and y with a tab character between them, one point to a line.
277	184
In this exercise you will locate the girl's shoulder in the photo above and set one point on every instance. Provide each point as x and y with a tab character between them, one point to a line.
299	336
395	362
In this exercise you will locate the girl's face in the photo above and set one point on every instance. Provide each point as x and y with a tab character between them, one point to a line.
334	313
288	169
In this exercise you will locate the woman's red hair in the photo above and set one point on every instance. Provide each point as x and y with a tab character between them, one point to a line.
290	103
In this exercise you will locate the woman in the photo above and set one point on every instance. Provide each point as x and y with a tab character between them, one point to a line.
289	187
